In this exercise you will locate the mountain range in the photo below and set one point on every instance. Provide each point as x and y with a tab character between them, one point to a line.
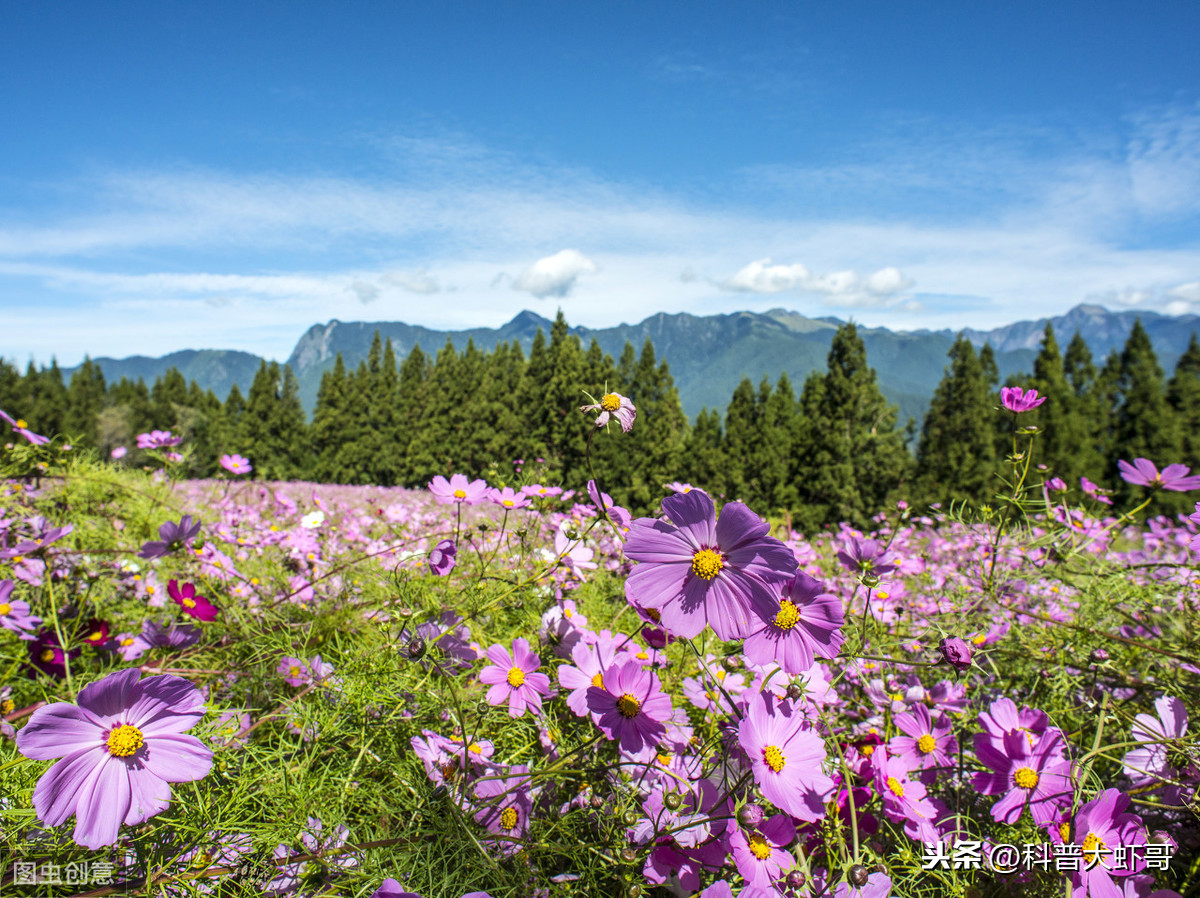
708	355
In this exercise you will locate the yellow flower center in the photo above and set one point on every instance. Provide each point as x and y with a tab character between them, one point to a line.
128	640
883	596
94	637
610	402
1092	846
47	655
22	423
759	847
895	787
926	744
150	589
508	819
7	706
1025	777
979	640
1064	830
774	758
5	608
568	613
516	677
124	740
189	603
507	503
867	750
201	861
788	615
707	564
476	748
628	706
460	494
293	671
598	681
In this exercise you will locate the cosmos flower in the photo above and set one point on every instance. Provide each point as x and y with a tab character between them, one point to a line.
236	464
158	439
786	757
457	489
1018	401
630	705
14	614
697	570
193	605
508	498
1102	825
121	748
171	536
865	556
807	626
616	406
20	427
514	678
1143	473
443	557
956	652
1038	776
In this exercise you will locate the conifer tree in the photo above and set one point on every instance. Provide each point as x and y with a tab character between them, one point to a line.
657	441
329	433
168	395
779	432
741	433
86	396
858	456
704	460
384	382
1145	426
1183	395
44	399
1092	418
1064	432
956	456
273	428
410	413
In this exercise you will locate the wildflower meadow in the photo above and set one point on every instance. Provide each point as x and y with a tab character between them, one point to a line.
518	688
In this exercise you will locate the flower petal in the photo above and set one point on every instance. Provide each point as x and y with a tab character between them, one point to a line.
176	758
57	730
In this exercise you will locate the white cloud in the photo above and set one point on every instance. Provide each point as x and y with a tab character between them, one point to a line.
1187	292
366	292
554	275
418	282
845	289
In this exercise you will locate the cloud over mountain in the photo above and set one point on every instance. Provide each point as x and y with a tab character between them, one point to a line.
554	275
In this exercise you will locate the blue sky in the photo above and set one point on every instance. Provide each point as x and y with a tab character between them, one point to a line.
224	175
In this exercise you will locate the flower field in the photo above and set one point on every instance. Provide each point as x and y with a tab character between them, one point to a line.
232	687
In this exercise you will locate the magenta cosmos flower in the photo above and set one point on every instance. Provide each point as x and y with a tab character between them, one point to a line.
236	464
193	605
1037	776
457	489
696	569
632	709
1143	473
785	757
514	679
1101	826
121	748
807	626
158	439
508	498
613	405
1017	400
443	557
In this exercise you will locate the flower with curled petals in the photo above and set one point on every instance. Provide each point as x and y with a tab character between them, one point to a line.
121	748
696	570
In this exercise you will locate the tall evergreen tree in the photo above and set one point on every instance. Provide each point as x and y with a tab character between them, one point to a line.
329	432
703	458
1183	395
1146	427
739	444
1061	445
956	456
657	441
86	396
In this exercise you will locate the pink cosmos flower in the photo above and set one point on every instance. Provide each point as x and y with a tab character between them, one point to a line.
508	498
1152	760
1173	477
20	427
121	748
14	614
119	452
158	439
1017	400
630	705
613	405
457	489
590	663
905	800
786	756
696	569
443	557
514	678
1102	825
807	626
193	605
505	802
924	743
759	853
236	464
1037	776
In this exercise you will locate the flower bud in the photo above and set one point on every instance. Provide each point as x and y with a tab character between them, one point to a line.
956	652
416	648
859	875
629	855
750	815
673	801
796	692
796	880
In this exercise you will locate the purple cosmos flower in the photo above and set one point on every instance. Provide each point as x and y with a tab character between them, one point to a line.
1153	760
390	888
443	557
807	626
129	646
1039	776
956	652
169	635
20	427
590	663
905	800
759	854
193	605
121	748
46	654
171	536
1095	492
119	452
158	439
514	679
457	489
925	744
1101	826
1002	716
630	705
1173	477
786	756
1017	400
508	498
696	569
620	517
236	464
506	803
613	405
865	556
14	614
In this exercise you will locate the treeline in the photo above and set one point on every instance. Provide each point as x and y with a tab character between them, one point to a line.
835	452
